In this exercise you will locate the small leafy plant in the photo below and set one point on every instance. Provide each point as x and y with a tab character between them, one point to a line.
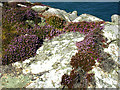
56	21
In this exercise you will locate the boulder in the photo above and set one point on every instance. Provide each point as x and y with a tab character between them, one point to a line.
56	12
39	8
86	17
21	5
68	17
1	4
73	15
115	19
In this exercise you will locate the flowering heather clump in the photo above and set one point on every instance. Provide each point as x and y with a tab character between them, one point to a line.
56	21
9	33
88	51
82	27
52	32
13	18
19	14
44	32
21	48
69	80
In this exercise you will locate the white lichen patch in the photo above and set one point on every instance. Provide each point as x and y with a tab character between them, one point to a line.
103	78
111	32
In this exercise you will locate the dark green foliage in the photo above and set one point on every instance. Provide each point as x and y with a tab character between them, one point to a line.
55	21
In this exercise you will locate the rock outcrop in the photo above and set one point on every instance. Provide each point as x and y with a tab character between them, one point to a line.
39	8
54	56
106	73
115	19
48	11
56	12
86	17
52	59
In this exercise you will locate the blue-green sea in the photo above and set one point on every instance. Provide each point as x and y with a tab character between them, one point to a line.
102	10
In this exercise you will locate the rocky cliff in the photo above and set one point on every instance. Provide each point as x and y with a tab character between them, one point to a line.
52	59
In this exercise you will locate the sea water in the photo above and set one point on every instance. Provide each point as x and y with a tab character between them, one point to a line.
103	10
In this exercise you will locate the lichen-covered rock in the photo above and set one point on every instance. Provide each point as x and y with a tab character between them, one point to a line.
1	4
20	5
57	12
9	81
73	15
86	17
39	8
52	59
115	19
61	13
106	72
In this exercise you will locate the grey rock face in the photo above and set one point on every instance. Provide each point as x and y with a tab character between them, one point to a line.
115	19
39	8
106	75
52	59
61	13
73	15
21	5
86	17
56	12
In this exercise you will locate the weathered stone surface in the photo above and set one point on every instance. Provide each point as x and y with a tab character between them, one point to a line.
86	17
56	12
73	15
21	5
39	8
115	19
1	4
106	73
61	13
52	59
9	81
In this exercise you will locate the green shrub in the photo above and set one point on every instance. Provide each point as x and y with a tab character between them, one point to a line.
55	21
